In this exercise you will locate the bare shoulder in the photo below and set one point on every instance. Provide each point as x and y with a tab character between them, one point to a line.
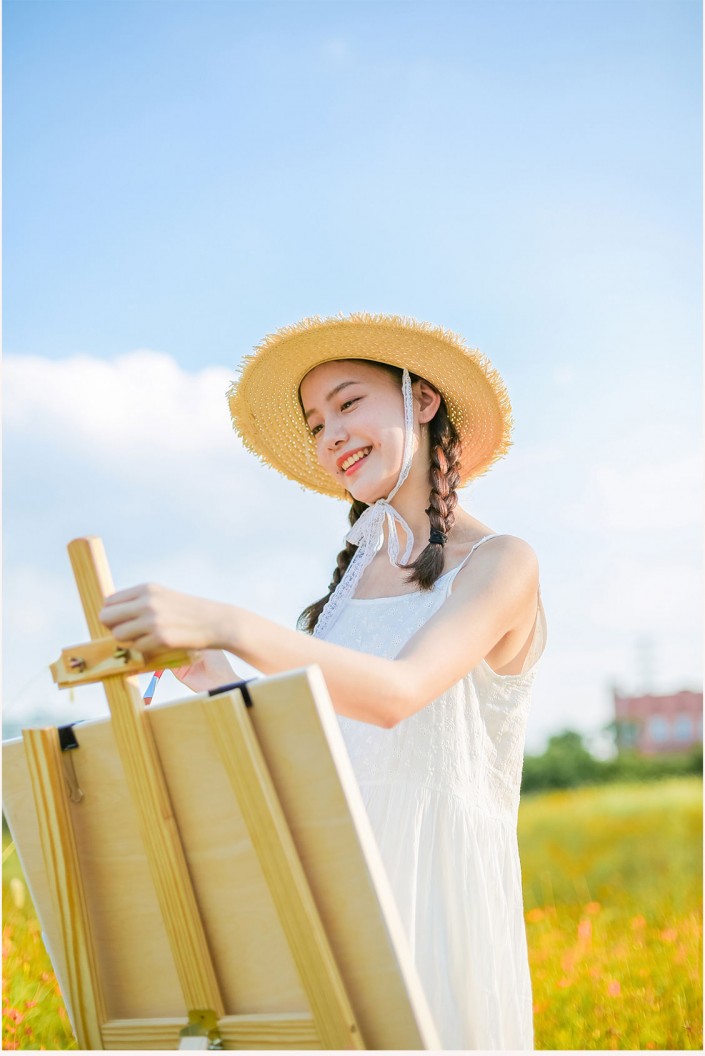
512	549
503	560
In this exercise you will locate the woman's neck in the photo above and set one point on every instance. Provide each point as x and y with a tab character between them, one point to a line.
411	502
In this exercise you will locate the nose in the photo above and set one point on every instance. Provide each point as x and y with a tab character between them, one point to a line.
335	433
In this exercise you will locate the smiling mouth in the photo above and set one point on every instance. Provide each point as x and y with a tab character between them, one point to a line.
351	462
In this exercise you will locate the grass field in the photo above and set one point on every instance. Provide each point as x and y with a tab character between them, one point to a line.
613	900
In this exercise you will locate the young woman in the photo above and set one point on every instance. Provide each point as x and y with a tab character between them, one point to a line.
428	636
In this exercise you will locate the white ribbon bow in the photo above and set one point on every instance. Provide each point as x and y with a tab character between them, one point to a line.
368	531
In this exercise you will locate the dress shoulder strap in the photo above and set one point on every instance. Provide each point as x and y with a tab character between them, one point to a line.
453	573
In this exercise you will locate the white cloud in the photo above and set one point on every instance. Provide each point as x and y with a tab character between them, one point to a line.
137	406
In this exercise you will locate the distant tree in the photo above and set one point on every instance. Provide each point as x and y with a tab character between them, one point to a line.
633	766
565	763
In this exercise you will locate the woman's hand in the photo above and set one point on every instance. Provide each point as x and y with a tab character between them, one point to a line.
155	619
209	671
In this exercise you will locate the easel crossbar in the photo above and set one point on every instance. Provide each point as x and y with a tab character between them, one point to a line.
265	1031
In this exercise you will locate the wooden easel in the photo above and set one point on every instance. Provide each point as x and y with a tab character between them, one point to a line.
204	871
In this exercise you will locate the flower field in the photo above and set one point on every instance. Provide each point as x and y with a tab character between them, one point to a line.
613	900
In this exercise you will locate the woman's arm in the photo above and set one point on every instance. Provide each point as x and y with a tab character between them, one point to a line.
484	606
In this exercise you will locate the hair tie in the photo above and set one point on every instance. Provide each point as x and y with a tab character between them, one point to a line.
438	537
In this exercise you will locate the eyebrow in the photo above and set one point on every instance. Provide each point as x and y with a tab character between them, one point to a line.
331	394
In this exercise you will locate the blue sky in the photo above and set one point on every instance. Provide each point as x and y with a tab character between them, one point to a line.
182	177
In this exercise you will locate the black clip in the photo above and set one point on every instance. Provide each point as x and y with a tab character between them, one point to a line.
67	738
67	743
242	686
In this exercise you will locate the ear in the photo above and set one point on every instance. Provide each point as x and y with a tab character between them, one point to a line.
427	398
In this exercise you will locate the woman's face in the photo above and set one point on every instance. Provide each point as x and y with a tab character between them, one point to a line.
356	413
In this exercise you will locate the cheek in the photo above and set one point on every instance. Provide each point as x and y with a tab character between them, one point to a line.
392	441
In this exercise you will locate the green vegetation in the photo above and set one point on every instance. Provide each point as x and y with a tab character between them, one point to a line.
567	763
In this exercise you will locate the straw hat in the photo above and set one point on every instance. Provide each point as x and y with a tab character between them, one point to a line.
264	401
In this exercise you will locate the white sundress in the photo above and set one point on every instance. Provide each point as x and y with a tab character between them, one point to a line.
442	793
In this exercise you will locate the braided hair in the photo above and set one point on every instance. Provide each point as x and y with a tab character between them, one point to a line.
444	477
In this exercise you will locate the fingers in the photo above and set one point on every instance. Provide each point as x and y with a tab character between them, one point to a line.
124	603
154	618
114	616
131	594
148	645
131	616
126	624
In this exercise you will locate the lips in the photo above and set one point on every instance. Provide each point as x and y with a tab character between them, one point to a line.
360	455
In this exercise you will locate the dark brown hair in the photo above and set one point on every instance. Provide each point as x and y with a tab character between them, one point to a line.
444	477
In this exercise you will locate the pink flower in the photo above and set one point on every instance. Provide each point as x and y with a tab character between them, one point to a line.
613	988
585	929
535	914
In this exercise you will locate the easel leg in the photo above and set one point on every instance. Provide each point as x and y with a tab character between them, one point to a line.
61	860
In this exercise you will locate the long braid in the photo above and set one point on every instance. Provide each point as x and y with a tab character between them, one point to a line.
444	477
309	617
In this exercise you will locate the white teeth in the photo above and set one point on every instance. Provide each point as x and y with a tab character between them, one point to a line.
355	458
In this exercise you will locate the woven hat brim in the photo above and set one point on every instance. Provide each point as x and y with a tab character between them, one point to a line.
265	407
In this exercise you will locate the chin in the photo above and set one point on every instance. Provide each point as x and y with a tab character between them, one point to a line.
369	493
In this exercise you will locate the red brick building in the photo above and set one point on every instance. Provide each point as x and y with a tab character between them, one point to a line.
651	724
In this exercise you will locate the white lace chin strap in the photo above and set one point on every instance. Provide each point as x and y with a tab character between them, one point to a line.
368	531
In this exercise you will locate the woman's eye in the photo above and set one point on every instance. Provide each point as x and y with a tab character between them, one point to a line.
348	403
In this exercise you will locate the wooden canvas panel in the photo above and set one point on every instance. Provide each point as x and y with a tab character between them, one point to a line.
299	737
333	836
